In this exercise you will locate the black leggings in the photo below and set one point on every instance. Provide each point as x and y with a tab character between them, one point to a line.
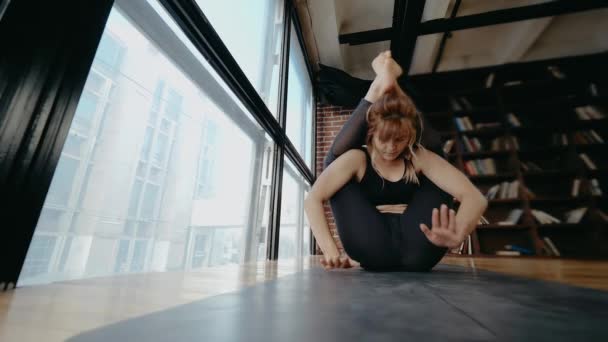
385	241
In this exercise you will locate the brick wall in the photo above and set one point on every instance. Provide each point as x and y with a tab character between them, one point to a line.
329	121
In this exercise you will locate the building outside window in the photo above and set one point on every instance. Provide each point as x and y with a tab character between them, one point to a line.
163	167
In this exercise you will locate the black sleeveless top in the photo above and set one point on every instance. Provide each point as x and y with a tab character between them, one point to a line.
391	192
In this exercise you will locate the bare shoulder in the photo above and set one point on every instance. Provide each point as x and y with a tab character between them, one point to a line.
356	161
354	155
423	158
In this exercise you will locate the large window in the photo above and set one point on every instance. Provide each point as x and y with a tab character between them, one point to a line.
156	174
252	31
299	102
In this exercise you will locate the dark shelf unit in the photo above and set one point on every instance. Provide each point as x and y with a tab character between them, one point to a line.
585	240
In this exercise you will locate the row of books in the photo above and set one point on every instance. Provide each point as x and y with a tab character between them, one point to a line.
514	250
503	190
578	137
542	217
571	216
587	137
485	166
589	113
532	166
553	70
498	144
464	124
594	187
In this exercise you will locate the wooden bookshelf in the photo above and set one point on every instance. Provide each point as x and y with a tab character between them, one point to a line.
544	119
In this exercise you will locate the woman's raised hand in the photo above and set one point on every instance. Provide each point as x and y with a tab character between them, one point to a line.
443	232
338	262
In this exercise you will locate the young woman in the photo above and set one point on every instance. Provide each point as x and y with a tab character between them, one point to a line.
390	198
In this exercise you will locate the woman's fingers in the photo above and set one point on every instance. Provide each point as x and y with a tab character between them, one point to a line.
452	222
435	218
429	233
337	262
444	216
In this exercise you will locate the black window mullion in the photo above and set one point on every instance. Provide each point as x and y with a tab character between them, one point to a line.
48	49
274	222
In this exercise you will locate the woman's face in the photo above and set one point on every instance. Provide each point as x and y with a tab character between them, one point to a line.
391	148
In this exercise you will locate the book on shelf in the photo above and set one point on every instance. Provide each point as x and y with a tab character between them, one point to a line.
471	144
550	246
492	192
602	215
512	218
588	162
447	146
595	112
483	220
505	143
490	80
575	215
587	137
508	253
513	189
463	124
595	188
503	190
530	166
520	249
576	184
543	217
476	167
588	113
483	125
556	72
593	89
560	139
596	136
513	120
513	83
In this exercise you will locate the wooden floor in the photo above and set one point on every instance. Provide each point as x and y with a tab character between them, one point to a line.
58	311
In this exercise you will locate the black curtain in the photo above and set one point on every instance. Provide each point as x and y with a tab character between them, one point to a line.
47	48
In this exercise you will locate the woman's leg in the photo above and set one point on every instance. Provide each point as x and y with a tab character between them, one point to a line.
351	135
362	229
417	252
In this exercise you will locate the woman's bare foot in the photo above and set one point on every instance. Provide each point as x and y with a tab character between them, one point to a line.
384	64
382	84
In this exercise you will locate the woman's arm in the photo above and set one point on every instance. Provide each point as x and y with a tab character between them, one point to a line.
451	180
333	178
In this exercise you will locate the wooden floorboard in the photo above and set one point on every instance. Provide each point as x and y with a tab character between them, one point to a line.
57	311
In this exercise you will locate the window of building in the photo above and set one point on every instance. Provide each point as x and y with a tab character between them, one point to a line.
299	102
151	149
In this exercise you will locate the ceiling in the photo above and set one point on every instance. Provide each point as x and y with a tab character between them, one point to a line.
323	21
